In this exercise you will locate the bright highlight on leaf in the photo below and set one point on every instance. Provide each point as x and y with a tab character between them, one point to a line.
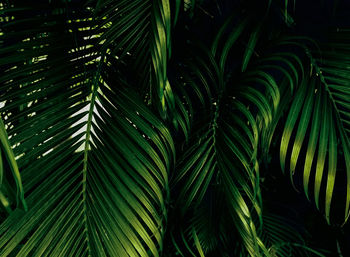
7	156
319	107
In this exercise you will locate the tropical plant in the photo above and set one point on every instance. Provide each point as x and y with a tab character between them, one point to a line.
147	127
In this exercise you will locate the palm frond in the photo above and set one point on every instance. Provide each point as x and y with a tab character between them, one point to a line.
223	153
94	160
141	30
320	107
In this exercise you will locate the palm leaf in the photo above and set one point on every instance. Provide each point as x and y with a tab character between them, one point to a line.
223	153
94	160
141	30
320	106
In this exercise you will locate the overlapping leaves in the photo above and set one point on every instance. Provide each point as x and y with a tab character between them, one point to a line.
141	30
94	160
318	122
222	157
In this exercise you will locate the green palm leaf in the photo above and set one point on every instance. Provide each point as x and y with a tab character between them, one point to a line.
223	153
320	106
141	30
94	160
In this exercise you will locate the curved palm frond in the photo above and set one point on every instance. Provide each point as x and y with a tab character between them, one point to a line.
289	71
320	107
141	30
223	152
94	160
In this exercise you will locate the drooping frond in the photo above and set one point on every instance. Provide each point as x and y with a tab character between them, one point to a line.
317	125
141	31
222	157
93	158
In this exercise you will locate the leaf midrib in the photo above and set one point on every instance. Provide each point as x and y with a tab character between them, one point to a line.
86	151
323	81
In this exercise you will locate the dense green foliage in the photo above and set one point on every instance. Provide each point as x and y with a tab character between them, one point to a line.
151	127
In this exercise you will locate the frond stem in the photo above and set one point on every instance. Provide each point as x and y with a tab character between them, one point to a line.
323	80
214	126
87	147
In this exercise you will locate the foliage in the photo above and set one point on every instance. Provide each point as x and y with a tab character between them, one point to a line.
144	128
